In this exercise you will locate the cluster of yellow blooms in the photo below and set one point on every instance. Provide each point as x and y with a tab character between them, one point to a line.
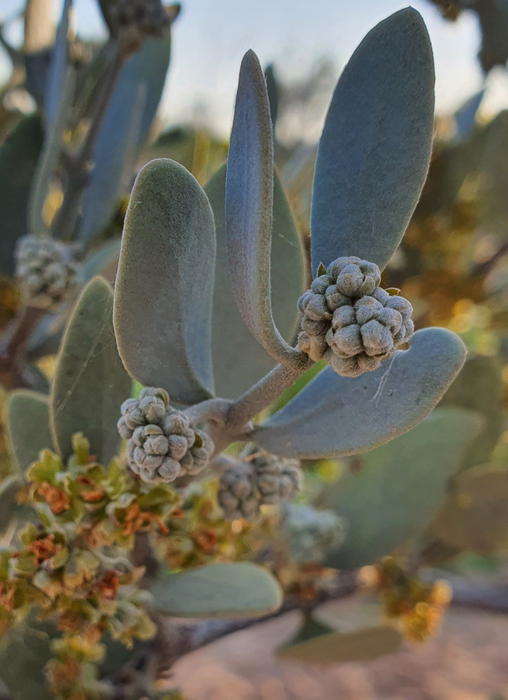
416	606
71	565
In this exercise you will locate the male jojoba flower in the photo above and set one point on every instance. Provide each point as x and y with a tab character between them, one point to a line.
262	479
47	271
350	321
161	443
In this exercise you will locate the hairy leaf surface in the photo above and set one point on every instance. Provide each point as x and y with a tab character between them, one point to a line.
375	148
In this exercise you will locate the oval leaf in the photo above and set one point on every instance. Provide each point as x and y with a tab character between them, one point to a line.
374	152
334	416
249	201
339	647
239	360
392	492
163	296
239	589
28	427
90	382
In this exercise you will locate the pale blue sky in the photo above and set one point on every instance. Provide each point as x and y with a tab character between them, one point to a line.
211	36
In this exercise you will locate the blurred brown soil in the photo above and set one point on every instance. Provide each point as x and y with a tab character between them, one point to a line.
468	661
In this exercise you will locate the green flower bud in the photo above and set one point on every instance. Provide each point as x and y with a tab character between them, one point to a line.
350	321
47	271
161	443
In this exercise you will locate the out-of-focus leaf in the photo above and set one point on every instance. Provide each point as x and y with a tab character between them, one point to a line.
50	154
474	516
9	487
24	651
375	148
18	160
272	88
494	172
341	647
164	289
124	130
239	360
28	427
335	415
248	212
479	387
90	382
465	116
238	589
394	490
58	68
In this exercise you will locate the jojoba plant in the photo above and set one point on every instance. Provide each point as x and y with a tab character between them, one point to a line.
198	273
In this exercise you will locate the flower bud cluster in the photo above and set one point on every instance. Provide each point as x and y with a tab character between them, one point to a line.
134	21
311	533
260	479
417	607
351	322
161	443
47	271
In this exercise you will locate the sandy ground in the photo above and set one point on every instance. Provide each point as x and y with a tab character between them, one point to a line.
468	661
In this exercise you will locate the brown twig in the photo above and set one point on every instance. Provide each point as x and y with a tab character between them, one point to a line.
182	639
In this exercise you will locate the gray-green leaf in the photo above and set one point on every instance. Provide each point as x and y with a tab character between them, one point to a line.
375	148
342	647
239	360
164	289
18	160
90	382
335	415
238	589
28	427
393	491
124	130
249	202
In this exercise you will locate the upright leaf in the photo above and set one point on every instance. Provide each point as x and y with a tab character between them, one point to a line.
52	148
393	491
18	159
239	360
335	415
124	130
90	382
249	201
28	427
58	67
375	148
238	589
163	298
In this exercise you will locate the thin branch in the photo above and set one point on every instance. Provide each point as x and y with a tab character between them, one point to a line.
181	639
265	392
